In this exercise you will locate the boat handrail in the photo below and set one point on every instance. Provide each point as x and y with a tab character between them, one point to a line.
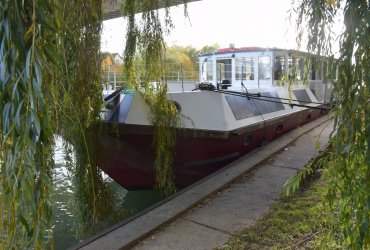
115	93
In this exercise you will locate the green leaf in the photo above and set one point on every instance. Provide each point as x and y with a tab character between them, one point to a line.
38	76
18	115
36	122
2	72
28	64
52	54
346	149
6	117
24	224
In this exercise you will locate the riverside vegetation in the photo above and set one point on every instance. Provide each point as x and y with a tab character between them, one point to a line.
298	219
50	83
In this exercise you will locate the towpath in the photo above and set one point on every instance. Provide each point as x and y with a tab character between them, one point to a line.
206	215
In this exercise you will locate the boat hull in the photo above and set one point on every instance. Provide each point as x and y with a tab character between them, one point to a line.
127	154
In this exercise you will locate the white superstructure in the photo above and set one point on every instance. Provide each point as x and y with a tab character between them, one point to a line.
264	68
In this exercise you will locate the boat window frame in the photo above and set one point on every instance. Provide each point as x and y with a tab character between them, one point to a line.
298	63
207	71
269	69
247	75
316	69
281	59
227	74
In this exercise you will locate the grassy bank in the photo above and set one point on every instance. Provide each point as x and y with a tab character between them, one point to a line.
296	222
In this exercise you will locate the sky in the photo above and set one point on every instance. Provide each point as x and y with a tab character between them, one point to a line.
262	23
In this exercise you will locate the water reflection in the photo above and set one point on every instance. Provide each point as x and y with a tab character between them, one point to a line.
126	202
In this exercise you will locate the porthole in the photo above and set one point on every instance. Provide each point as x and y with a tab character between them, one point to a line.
177	105
279	129
308	117
248	139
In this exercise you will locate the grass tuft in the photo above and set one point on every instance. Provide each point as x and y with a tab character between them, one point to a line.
296	222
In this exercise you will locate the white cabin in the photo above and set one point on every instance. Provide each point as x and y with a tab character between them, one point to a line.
257	67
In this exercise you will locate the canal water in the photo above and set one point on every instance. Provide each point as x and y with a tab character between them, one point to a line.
130	202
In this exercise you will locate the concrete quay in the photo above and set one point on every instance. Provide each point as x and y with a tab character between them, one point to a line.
206	214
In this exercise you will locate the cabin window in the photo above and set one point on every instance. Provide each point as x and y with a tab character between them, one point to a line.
296	68
326	71
223	70
299	62
207	71
330	70
279	67
244	68
316	70
264	68
300	69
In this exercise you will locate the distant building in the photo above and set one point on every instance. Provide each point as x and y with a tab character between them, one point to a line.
112	62
107	63
117	59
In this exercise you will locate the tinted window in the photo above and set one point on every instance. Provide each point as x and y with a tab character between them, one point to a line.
244	108
241	107
268	105
302	96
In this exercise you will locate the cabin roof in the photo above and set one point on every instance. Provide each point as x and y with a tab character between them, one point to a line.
244	49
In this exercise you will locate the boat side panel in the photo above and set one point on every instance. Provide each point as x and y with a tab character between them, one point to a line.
129	158
138	112
204	110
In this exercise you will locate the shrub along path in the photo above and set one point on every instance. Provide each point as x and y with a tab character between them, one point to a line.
296	222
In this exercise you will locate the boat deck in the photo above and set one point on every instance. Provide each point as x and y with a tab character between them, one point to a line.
207	213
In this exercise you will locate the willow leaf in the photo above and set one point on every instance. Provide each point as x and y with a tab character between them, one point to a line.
36	122
28	64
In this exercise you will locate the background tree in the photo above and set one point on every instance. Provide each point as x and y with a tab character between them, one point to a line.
187	57
209	48
174	56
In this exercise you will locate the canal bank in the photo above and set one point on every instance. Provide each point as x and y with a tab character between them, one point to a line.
207	213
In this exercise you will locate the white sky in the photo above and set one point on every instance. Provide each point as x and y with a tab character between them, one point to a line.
262	23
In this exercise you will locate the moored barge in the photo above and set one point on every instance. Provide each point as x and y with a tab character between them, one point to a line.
237	106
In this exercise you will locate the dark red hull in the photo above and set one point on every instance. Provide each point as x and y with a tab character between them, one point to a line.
129	157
